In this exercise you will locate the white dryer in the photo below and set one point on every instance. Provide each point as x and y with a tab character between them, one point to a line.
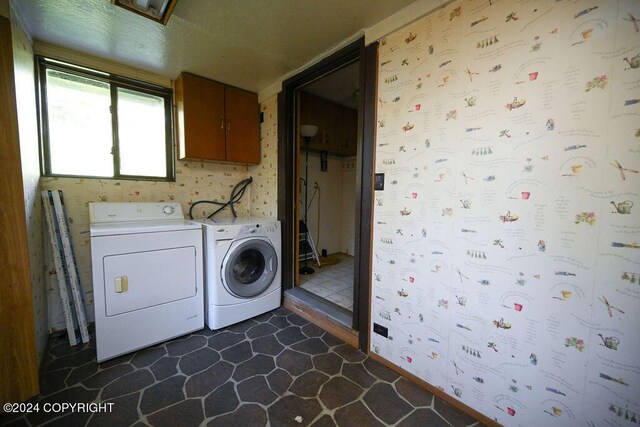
147	275
242	269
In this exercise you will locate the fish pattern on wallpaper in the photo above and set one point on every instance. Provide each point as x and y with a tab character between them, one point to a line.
506	258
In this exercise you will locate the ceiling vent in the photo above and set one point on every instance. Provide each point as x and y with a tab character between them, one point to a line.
156	10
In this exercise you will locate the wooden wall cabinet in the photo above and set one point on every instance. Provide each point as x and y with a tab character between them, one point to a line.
350	132
216	122
337	125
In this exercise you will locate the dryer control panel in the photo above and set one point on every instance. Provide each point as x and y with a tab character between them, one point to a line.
125	212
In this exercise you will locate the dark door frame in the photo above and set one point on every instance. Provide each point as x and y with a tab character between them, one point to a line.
287	141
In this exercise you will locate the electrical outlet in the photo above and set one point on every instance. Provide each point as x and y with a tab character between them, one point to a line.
379	182
381	330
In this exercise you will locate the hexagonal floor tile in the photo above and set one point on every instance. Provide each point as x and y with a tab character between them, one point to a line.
290	335
377	369
185	413
294	319
328	363
279	322
339	391
356	373
206	381
384	402
423	417
412	393
308	384
163	394
279	381
268	345
148	356
256	390
324	421
124	412
165	367
129	383
356	414
312	330
257	365
451	414
285	410
224	340
311	346
238	353
242	326
198	360
349	353
293	362
104	377
248	414
183	346
224	399
261	330
331	340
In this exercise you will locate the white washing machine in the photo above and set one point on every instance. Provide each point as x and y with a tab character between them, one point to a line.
242	269
147	275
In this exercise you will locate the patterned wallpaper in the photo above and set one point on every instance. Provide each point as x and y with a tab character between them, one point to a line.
506	261
194	181
264	189
28	129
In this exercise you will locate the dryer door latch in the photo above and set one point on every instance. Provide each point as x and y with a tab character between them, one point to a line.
122	284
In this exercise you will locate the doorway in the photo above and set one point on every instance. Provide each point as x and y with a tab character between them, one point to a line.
294	171
328	116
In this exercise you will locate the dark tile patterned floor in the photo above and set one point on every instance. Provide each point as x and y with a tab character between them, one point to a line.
277	369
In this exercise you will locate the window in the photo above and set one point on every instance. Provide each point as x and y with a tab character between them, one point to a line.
96	124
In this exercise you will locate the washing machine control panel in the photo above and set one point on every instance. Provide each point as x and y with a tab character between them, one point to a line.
248	229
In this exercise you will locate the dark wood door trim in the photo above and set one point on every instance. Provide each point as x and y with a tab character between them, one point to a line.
286	195
364	189
364	179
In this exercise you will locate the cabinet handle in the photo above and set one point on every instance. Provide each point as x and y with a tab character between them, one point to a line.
221	123
228	124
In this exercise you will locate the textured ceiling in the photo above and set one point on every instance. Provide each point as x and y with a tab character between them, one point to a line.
338	86
245	43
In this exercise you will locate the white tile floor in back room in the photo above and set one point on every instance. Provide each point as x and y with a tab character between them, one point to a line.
332	282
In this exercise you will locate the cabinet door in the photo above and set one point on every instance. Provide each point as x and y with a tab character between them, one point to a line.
332	124
200	105
349	132
311	114
243	133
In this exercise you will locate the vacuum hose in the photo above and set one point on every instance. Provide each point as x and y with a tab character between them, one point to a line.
236	195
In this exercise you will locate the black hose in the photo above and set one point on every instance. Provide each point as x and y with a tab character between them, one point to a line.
236	195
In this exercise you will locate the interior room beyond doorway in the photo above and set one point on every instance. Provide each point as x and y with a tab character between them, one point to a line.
327	177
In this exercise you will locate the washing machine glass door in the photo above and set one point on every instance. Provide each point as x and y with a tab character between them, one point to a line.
249	267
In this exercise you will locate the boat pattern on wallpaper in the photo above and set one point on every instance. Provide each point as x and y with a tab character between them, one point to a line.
506	261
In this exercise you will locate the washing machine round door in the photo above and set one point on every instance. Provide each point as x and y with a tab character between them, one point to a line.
249	267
